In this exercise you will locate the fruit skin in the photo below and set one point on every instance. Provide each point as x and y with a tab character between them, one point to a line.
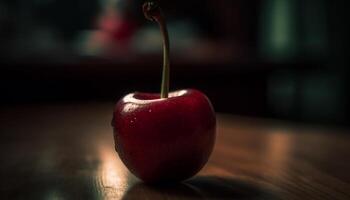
164	140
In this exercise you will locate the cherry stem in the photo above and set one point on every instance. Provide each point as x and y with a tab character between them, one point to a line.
153	12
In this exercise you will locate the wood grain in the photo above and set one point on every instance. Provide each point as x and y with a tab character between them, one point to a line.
66	152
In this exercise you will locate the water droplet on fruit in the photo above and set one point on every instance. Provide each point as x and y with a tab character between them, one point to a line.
133	120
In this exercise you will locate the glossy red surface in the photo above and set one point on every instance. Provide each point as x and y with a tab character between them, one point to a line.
164	139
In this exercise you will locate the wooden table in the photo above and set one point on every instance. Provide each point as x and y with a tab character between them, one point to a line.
66	152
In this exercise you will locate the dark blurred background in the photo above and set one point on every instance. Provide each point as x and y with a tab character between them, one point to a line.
281	59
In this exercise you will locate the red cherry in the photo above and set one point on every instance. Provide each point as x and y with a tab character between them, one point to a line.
166	136
167	139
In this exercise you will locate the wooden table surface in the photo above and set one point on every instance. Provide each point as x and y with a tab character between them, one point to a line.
66	152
